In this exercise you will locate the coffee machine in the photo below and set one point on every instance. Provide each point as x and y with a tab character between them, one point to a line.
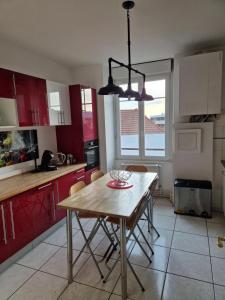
47	162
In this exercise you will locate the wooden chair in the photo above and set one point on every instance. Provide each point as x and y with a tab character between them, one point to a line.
96	175
136	168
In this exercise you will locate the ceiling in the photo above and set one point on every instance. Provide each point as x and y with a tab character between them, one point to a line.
81	32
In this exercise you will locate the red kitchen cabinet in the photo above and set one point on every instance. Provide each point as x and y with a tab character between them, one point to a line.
4	238
19	222
6	84
44	214
83	104
88	175
62	189
31	100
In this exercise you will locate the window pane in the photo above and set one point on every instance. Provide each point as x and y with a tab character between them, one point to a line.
154	121
129	124
156	88
54	99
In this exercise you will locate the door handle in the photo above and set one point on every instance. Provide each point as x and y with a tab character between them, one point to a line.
3	224
53	200
12	220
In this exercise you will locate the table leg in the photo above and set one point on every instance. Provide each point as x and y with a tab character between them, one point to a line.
123	255
69	246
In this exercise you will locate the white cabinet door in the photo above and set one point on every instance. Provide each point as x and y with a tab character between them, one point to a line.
200	84
58	103
215	83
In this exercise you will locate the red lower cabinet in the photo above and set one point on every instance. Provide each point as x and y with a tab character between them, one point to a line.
44	213
88	175
4	238
62	189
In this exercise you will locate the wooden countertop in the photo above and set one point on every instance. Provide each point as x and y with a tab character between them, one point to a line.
100	199
12	186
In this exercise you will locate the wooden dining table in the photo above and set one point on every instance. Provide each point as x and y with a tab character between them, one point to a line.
99	199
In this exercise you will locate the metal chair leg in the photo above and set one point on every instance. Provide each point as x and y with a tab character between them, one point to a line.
135	275
88	245
146	241
142	248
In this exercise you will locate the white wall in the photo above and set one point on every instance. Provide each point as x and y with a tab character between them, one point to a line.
18	59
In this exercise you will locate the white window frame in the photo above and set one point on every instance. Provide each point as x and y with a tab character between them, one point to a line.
168	112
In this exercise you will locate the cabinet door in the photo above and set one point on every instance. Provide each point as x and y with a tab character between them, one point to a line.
24	97
20	216
43	208
58	103
41	104
4	234
89	113
6	84
88	175
215	82
193	85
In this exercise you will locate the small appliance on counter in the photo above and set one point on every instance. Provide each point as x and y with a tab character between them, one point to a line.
47	162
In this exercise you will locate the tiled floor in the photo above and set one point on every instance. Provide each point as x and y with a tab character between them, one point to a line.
187	264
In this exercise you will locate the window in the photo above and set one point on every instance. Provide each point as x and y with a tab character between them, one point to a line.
143	127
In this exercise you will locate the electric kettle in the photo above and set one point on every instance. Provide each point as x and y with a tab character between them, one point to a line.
60	158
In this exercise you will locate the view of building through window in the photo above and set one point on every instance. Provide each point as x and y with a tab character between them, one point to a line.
153	118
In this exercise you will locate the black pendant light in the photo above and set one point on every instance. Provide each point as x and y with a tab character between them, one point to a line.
111	88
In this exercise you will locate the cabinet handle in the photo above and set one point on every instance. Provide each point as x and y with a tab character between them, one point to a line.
44	186
3	224
12	220
53	200
38	117
57	188
63	117
59	122
78	178
14	84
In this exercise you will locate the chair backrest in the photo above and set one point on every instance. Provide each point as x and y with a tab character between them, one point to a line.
76	187
136	168
96	175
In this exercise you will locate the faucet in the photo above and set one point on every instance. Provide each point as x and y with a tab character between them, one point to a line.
220	241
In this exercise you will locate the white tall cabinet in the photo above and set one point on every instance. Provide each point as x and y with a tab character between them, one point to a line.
200	84
58	103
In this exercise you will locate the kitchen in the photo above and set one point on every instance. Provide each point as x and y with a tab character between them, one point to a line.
49	100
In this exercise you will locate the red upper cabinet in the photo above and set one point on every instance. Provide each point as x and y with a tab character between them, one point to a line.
31	100
6	84
83	104
89	114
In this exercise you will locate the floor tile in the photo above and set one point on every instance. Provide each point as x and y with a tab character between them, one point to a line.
191	225
180	288
12	279
215	250
41	286
57	265
165	210
89	275
151	279
58	237
38	256
82	292
219	292
164	222
78	241
218	268
159	259
216	229
217	217
164	240
190	242
191	265
115	297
